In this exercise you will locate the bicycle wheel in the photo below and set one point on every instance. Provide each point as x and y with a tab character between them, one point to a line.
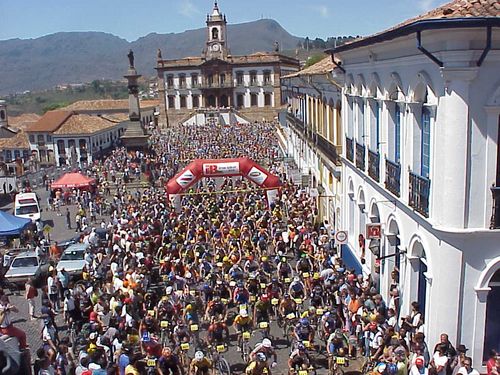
245	354
223	367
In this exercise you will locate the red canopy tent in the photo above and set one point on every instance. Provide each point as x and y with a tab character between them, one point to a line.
73	180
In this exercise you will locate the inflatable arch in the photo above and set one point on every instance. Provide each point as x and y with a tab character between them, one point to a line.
200	168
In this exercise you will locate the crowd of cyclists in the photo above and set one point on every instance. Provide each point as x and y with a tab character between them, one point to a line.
172	291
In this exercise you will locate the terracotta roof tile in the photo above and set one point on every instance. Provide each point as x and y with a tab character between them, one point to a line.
107	104
459	9
451	10
321	67
49	122
19	141
255	58
84	124
23	121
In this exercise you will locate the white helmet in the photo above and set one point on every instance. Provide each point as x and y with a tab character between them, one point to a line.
169	290
199	355
266	343
243	313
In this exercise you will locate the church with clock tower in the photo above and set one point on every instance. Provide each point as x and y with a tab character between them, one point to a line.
218	82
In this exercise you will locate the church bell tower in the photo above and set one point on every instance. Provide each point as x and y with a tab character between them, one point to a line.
216	45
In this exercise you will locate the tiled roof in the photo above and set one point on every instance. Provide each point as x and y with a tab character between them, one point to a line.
255	58
321	67
106	104
50	121
23	121
455	9
84	124
17	142
460	9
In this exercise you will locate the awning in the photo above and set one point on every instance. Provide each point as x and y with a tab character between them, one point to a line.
73	180
350	259
11	225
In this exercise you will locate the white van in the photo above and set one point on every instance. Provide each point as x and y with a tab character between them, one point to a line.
26	205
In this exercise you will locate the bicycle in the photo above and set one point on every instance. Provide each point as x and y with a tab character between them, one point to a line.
220	363
245	346
336	363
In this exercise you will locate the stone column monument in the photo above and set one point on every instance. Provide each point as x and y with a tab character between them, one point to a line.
134	138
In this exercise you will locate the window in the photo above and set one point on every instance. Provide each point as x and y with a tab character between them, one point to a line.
397	134
253	78
60	147
253	100
171	101
2	115
183	101
196	101
222	79
375	126
210	80
41	139
49	138
240	101
182	81
215	33
8	155
425	142
267	99
350	118
26	155
17	154
239	78
194	80
361	122
32	138
170	81
267	77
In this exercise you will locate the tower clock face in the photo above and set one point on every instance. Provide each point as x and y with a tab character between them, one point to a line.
216	47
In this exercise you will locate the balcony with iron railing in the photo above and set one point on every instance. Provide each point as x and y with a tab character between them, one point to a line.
495	214
393	177
329	149
374	165
349	149
360	156
420	188
295	122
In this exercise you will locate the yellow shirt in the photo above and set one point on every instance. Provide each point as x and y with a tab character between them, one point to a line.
131	370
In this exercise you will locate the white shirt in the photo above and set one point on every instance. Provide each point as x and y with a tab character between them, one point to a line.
440	361
415	371
463	371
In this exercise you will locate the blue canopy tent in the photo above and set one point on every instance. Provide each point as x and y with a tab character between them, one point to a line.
11	225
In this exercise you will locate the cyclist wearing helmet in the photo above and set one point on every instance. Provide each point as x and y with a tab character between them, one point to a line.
169	363
262	309
304	331
216	332
181	332
201	365
299	359
243	323
284	268
297	288
287	305
258	366
266	348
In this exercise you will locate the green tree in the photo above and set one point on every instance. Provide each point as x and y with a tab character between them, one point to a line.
314	59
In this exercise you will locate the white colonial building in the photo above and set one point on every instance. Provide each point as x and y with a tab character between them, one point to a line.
420	156
217	79
311	133
421	117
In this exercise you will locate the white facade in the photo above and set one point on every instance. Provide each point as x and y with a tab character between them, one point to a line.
433	136
259	81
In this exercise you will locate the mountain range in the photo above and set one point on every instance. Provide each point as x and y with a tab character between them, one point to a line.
76	57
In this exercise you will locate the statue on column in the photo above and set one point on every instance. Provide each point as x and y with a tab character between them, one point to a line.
131	58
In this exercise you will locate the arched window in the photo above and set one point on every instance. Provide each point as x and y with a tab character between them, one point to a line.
215	33
267	100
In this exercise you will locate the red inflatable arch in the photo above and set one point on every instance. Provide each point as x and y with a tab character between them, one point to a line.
245	167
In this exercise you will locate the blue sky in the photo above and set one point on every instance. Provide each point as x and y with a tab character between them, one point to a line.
132	19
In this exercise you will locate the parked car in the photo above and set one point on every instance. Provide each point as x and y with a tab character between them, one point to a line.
73	259
24	266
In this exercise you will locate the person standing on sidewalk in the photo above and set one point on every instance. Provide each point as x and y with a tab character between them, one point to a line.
31	293
68	218
6	326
